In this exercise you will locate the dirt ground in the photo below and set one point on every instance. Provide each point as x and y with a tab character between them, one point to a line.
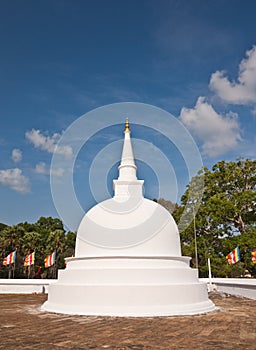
24	326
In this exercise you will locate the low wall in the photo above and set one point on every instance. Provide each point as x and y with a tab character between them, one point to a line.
24	286
236	286
244	287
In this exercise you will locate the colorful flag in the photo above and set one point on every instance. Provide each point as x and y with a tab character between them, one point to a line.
50	260
254	256
234	256
30	259
10	259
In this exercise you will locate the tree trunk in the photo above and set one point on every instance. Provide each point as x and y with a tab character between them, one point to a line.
241	224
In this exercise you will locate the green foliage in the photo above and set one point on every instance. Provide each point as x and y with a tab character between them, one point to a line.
44	237
168	205
223	217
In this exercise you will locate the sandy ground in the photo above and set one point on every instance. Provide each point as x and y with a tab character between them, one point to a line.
24	326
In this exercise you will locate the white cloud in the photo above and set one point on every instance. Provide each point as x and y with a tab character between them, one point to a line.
218	133
41	168
244	90
48	143
57	172
16	155
14	179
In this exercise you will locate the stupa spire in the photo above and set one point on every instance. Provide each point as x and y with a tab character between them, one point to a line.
127	167
127	184
127	127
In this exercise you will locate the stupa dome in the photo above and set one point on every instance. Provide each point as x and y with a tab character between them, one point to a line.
111	227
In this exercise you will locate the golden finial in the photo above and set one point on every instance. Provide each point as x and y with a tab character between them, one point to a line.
127	125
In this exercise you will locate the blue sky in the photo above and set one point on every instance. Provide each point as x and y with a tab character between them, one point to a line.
61	59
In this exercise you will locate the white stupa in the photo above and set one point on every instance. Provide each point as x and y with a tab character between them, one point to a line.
128	258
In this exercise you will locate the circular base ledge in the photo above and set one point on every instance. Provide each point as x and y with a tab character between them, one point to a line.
133	311
135	287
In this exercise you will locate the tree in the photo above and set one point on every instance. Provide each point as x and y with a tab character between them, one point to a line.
49	224
10	240
168	205
56	242
2	226
44	237
31	242
227	209
70	242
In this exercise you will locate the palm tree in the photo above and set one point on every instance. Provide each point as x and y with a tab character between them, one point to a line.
56	242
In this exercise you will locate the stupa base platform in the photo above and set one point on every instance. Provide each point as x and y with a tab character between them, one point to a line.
128	286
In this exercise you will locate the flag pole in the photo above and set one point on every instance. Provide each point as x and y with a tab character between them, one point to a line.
194	222
13	270
210	272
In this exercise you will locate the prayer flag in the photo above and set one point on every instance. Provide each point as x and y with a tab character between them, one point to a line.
254	256
30	259
234	256
50	260
10	259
